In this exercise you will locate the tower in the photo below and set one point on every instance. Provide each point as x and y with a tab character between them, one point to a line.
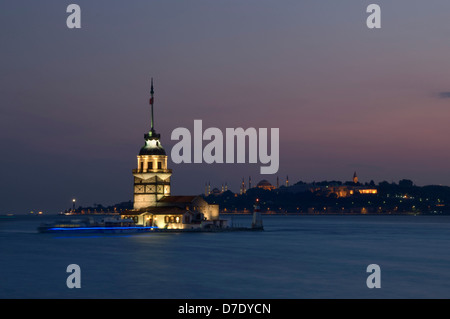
243	186
152	177
287	181
257	220
249	182
355	178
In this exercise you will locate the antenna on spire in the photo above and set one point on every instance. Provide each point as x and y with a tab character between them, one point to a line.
152	135
151	103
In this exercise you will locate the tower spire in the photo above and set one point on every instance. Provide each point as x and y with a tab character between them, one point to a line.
151	103
355	178
152	135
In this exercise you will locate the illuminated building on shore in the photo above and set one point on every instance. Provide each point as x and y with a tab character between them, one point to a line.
215	191
263	184
337	189
347	190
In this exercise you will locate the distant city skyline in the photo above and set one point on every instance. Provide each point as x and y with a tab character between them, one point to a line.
74	102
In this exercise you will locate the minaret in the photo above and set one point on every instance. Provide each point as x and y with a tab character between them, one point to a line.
249	182
355	178
243	186
287	181
152	177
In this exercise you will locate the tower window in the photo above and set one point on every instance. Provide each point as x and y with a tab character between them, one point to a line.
159	165
150	165
142	166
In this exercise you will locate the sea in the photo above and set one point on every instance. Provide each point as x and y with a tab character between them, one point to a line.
295	257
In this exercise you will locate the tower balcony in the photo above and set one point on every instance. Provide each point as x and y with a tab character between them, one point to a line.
137	171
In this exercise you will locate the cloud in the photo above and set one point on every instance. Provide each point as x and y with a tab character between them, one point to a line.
444	95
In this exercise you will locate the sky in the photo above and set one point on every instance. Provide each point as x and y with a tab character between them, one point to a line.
74	102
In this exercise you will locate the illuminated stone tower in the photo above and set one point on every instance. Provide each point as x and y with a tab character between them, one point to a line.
152	177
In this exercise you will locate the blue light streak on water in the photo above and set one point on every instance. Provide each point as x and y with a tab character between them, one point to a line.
102	228
72	236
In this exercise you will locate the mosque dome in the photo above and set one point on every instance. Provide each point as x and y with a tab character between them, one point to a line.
264	183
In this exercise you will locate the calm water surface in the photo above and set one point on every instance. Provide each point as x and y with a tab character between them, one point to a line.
295	257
